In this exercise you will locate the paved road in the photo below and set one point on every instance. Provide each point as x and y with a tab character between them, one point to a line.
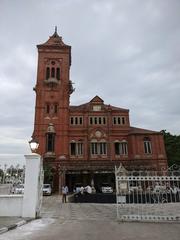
77	211
88	221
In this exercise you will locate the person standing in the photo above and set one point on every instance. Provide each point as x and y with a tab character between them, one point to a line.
64	193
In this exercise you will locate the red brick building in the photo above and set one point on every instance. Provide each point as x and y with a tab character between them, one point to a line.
82	144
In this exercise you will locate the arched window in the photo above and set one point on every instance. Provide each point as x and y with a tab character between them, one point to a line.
98	148
121	148
147	146
124	148
50	141
47	73
50	138
55	108
79	148
58	73
76	148
47	108
103	148
73	148
117	148
53	72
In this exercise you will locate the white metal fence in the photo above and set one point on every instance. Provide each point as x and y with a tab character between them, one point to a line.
12	179
148	195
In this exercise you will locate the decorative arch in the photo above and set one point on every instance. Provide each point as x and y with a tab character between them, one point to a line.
50	138
121	147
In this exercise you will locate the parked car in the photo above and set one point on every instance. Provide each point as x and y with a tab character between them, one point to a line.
106	188
47	190
19	189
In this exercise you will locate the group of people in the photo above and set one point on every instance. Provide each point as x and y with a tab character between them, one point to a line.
88	189
81	190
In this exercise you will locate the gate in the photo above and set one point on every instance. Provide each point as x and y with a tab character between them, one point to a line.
148	195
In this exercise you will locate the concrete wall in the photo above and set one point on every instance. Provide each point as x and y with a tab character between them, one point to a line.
5	189
31	186
28	204
11	205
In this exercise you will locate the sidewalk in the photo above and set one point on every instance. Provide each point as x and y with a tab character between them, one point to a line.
8	223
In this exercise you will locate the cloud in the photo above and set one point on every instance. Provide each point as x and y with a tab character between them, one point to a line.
127	52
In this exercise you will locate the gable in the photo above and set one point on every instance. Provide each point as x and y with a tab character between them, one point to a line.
97	100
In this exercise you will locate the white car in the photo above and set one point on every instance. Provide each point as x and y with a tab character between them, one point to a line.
47	190
19	189
106	188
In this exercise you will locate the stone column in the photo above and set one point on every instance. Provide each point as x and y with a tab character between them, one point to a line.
31	187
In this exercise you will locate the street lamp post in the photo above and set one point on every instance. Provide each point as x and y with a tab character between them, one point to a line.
34	144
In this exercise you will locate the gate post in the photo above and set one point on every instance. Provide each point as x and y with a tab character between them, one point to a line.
32	187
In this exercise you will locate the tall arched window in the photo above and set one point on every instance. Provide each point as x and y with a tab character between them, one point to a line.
73	148
103	148
55	108
117	148
94	148
47	73
50	141
53	72
147	146
124	148
58	73
47	108
121	148
76	148
98	147
50	138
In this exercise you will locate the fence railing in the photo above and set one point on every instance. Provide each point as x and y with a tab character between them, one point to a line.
12	179
148	195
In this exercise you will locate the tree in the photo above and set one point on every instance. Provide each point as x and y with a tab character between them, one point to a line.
48	174
172	145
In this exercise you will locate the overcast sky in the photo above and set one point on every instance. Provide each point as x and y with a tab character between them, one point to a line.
125	51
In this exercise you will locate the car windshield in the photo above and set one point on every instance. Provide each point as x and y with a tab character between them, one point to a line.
46	186
20	186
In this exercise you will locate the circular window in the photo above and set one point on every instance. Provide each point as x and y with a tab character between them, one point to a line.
98	134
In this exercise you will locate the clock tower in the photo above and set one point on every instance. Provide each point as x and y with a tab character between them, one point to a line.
53	89
82	144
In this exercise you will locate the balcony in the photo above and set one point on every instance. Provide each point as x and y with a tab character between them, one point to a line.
52	81
49	155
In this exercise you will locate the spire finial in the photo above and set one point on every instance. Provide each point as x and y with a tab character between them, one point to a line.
55	29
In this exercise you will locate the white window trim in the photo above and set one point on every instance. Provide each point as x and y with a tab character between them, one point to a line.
147	146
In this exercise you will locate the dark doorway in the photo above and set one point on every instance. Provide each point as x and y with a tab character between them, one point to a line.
84	178
72	179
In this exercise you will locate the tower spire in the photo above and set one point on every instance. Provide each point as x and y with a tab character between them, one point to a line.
55	33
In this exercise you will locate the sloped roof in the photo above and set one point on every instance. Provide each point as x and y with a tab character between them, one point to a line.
135	130
97	100
54	41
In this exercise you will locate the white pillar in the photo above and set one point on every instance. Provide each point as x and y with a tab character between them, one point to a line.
31	187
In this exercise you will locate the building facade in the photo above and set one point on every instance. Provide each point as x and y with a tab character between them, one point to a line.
82	144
